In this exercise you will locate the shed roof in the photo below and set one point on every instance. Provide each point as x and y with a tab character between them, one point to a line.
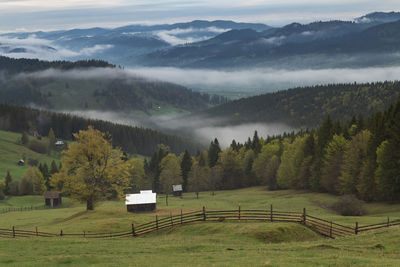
51	194
177	188
145	197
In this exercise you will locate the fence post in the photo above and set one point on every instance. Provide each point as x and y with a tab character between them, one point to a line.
272	219
172	222
157	222
304	216
37	232
356	229
13	229
84	234
181	217
330	231
166	200
133	230
388	221
61	232
239	213
204	213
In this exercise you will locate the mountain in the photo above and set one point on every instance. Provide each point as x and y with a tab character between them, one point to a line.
121	45
379	17
314	45
91	85
305	107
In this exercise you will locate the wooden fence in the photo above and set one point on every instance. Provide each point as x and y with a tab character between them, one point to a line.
321	226
15	209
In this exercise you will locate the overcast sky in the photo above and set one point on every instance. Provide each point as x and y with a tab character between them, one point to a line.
20	15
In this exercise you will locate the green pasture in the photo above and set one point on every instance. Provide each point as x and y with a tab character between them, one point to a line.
111	216
11	151
199	244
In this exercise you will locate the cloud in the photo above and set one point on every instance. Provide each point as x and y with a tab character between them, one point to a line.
33	47
267	78
206	129
198	128
178	36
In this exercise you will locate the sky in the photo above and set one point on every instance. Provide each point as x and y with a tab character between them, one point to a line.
31	15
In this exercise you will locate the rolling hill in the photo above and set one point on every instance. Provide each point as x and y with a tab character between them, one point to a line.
91	85
308	106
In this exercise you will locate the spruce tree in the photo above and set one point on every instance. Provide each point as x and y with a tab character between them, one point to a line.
186	166
8	181
213	153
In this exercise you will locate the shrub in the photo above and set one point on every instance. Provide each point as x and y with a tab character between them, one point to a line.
33	162
13	188
25	186
349	205
38	147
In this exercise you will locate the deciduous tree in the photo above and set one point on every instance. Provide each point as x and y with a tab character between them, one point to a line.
91	169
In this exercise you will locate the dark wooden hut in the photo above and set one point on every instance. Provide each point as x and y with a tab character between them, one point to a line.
52	199
177	190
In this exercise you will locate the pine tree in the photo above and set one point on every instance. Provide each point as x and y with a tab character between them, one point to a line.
186	165
256	143
213	153
8	181
24	138
53	168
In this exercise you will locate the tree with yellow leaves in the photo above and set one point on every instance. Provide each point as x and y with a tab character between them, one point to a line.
91	169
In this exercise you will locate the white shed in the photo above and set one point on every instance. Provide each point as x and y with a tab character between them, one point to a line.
144	201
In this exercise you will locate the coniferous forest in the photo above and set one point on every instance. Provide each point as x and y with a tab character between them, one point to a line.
134	140
360	157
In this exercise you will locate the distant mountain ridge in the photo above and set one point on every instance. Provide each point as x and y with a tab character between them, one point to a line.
221	44
286	46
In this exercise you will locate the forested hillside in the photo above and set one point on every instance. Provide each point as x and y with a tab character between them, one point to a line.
90	85
133	140
314	45
309	106
10	66
360	157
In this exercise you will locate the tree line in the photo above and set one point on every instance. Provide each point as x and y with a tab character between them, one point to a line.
308	107
360	157
133	140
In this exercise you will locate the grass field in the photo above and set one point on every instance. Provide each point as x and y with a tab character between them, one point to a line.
201	244
11	152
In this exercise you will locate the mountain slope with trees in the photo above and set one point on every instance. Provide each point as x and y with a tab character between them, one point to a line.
134	140
308	106
94	85
314	45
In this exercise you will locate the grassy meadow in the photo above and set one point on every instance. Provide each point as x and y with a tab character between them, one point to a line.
200	244
11	151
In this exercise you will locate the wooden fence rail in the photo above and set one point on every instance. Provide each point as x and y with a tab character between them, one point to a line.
324	227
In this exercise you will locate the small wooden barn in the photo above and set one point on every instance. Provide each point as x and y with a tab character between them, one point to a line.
144	201
177	190
52	199
59	143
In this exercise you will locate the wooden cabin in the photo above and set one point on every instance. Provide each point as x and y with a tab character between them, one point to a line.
145	201
177	190
52	199
59	143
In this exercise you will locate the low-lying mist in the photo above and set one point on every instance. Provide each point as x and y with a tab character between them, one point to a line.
201	129
266	79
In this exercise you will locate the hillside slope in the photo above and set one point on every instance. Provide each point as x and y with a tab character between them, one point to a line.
308	106
93	85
